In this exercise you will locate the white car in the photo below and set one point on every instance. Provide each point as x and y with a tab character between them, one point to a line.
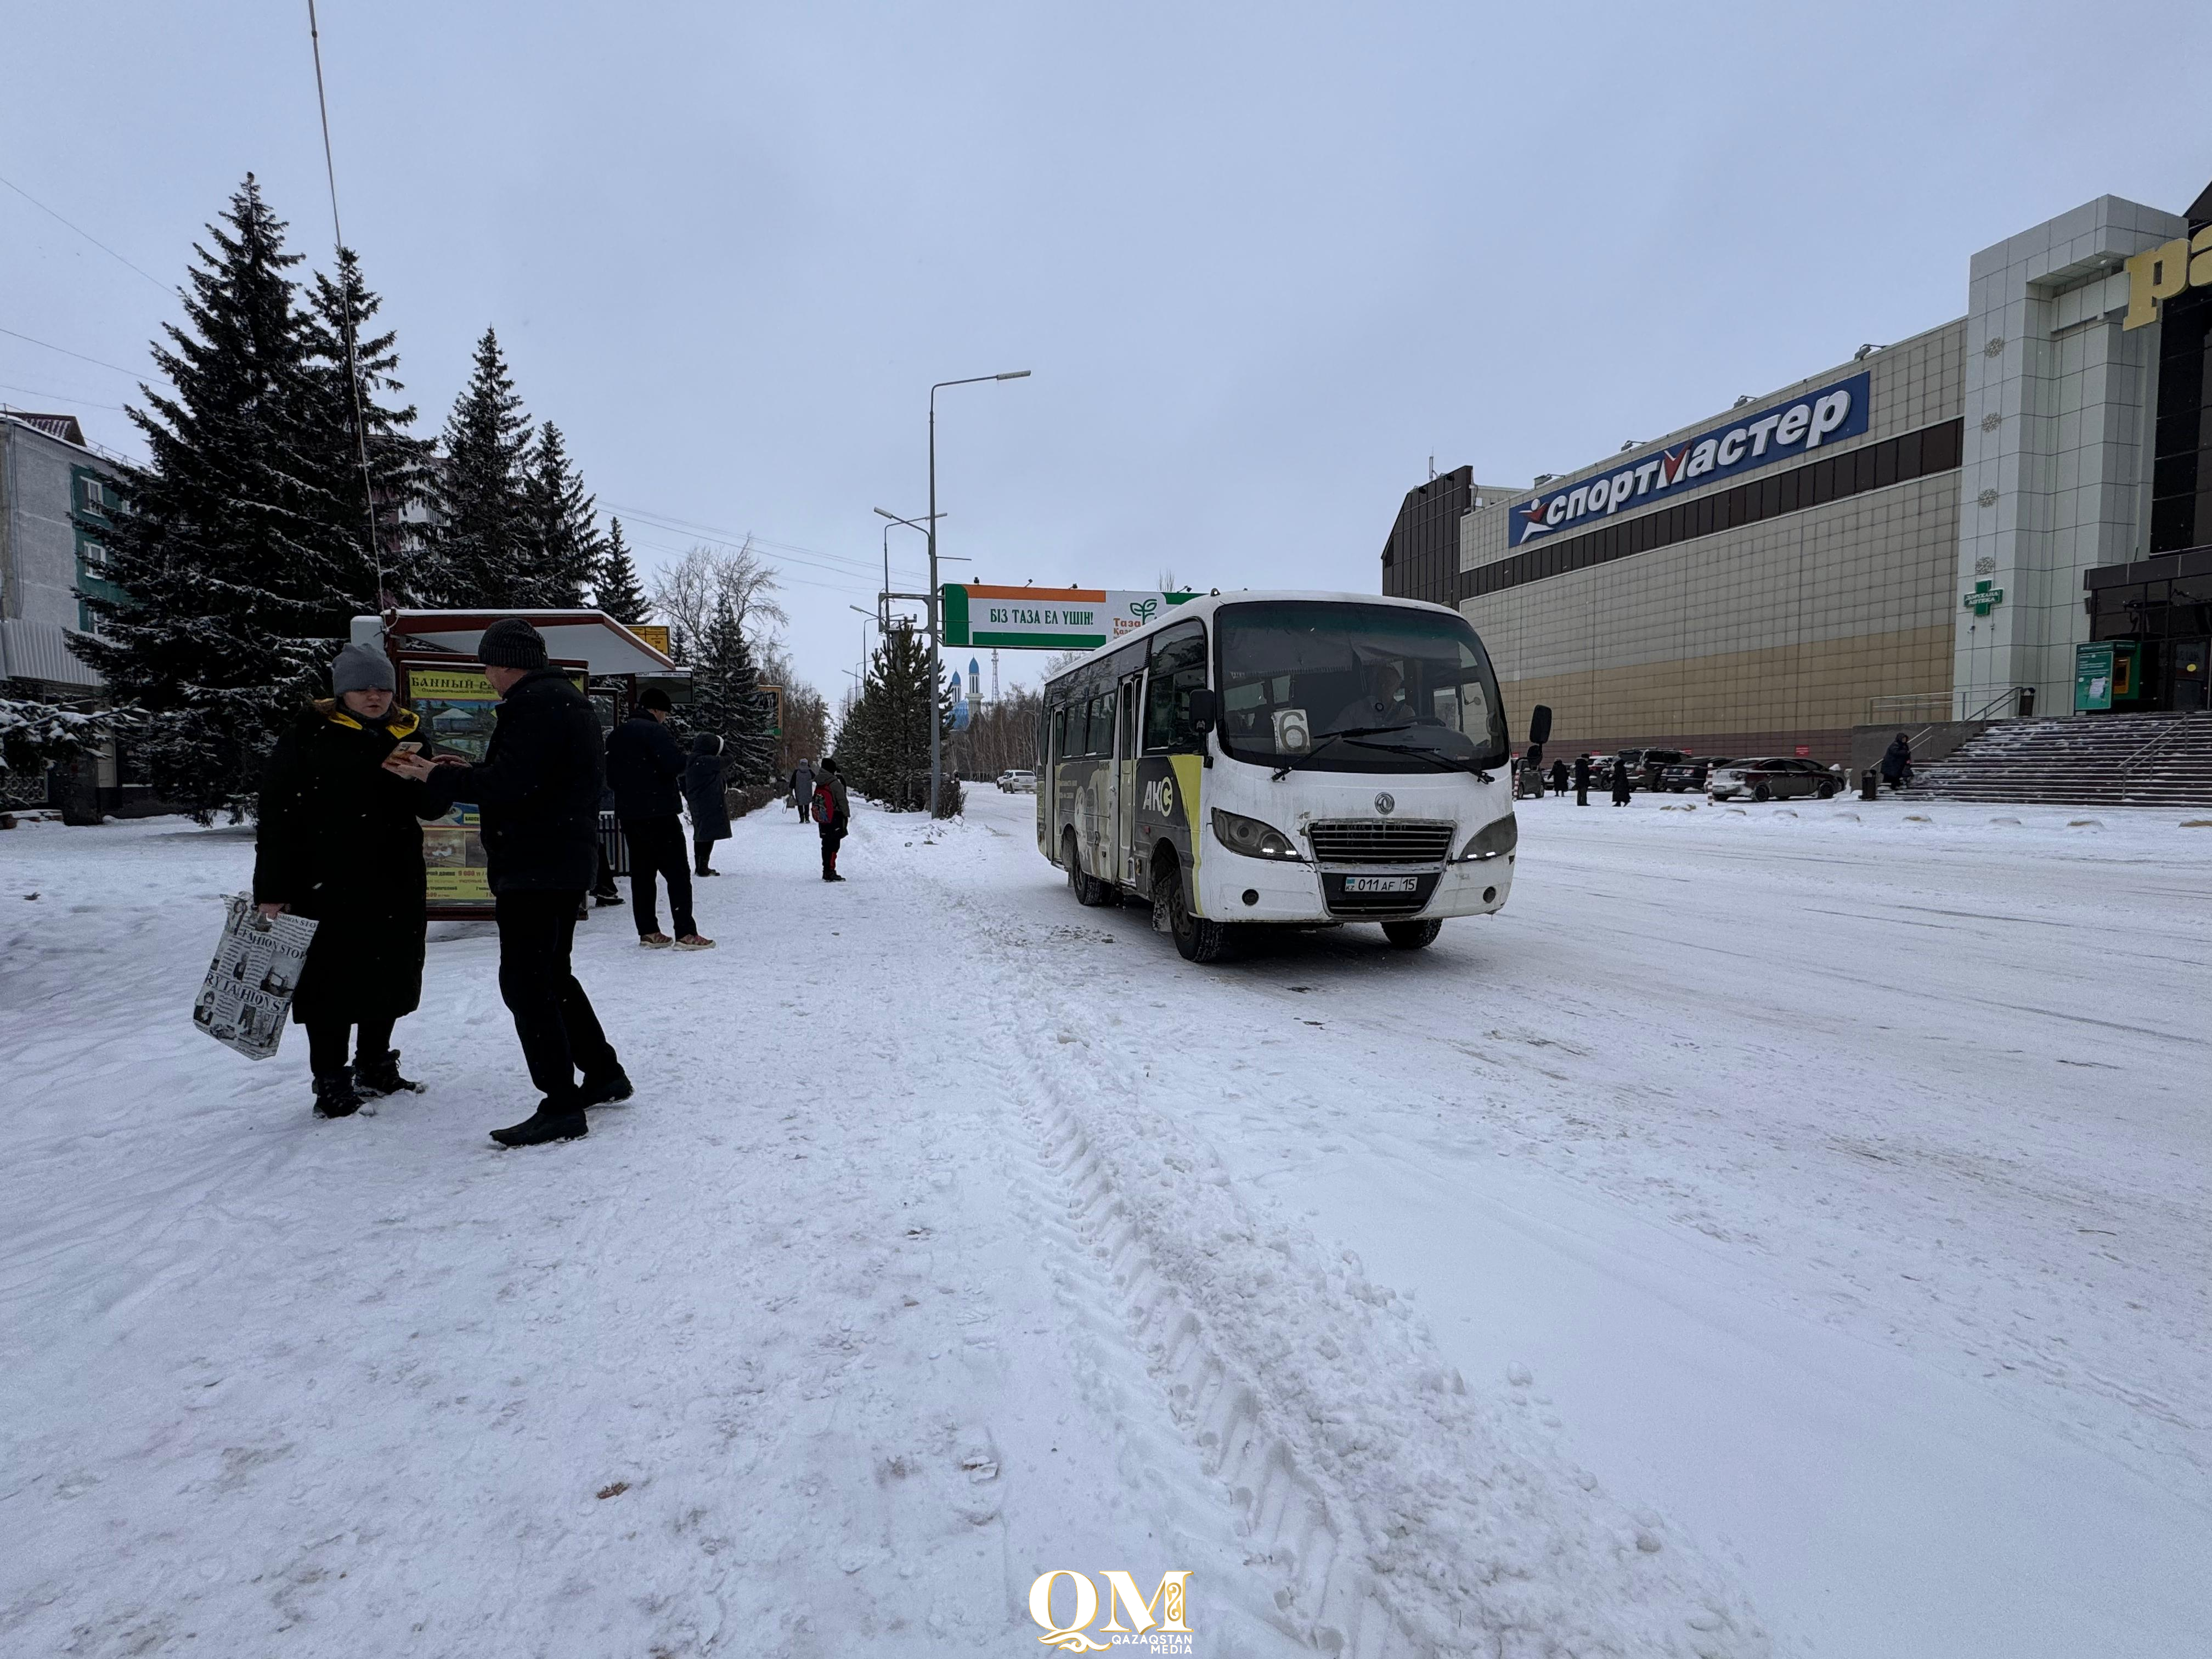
1776	779
1017	783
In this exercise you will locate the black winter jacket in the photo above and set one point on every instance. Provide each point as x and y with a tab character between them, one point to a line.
339	841
703	789
643	767
537	789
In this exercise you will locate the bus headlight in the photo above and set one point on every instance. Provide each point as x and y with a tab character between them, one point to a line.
1493	840
1252	838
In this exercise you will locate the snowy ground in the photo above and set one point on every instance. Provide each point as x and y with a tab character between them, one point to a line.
1779	1230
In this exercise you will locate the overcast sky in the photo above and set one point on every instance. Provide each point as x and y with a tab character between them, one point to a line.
1264	260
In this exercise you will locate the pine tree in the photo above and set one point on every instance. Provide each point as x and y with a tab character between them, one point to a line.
884	743
221	542
398	461
614	588
477	551
562	548
727	700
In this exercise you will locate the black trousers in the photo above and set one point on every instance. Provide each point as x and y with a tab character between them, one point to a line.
553	1018
831	834
705	849
656	848
327	1043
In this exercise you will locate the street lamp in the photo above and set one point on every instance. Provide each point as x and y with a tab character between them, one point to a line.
935	662
884	599
871	617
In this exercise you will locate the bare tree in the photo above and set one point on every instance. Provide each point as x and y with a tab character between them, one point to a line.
688	592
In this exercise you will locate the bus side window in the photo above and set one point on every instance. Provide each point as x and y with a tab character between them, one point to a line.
1178	670
1058	739
1102	724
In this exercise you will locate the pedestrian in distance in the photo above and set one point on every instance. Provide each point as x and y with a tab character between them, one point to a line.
710	807
339	841
536	792
1624	781
802	790
833	813
1581	780
644	768
1897	762
1560	777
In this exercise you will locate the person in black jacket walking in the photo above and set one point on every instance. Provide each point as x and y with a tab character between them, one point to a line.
644	767
536	792
1897	762
1581	780
702	793
339	841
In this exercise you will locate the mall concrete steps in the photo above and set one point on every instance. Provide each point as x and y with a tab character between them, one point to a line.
2109	759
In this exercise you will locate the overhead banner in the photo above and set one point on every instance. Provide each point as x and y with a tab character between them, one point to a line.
1784	432
1047	618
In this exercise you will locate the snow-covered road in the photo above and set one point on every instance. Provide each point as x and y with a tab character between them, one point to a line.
1802	1212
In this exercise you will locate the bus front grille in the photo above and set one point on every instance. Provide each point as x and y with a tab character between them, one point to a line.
1380	840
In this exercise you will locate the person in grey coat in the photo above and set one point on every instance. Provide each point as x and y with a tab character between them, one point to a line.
802	790
702	793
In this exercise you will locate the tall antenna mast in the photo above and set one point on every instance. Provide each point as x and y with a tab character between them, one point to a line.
377	600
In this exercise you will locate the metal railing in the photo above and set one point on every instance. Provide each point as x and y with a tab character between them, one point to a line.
1934	707
1915	706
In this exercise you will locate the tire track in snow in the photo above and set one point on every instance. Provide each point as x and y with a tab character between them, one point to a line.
1394	1515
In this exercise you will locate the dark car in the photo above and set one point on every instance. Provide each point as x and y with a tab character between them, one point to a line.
1776	778
1688	775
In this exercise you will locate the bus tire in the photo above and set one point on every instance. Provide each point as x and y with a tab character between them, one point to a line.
1196	939
1087	888
1413	935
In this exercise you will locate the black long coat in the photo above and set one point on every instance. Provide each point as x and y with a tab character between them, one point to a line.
703	789
339	841
537	789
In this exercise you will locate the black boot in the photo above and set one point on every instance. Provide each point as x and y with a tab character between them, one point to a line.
602	1090
335	1096
552	1121
381	1075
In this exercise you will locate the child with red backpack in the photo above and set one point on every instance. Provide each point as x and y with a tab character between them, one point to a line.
832	811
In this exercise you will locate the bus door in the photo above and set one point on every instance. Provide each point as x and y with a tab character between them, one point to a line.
1120	799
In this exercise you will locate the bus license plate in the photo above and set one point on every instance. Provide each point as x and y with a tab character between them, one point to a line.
1381	883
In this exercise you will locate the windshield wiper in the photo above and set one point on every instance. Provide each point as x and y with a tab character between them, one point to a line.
1356	736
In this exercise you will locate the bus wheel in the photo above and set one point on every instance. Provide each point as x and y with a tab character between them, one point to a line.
1413	935
1197	938
1087	888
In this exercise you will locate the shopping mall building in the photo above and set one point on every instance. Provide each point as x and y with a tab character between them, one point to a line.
1929	531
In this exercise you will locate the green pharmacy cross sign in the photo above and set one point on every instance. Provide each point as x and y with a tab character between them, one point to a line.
1984	599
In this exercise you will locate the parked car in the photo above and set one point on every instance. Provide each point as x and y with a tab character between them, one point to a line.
1776	778
1689	775
1019	782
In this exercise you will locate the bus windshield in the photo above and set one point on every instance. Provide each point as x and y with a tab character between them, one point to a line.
1338	686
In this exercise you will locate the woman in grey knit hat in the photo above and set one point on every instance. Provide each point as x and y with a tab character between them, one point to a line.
339	841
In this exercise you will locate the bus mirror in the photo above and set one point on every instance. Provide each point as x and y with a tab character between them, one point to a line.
1540	726
1204	709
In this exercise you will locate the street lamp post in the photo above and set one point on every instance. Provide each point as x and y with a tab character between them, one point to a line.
936	661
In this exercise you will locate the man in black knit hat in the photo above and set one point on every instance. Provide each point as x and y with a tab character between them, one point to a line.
537	790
